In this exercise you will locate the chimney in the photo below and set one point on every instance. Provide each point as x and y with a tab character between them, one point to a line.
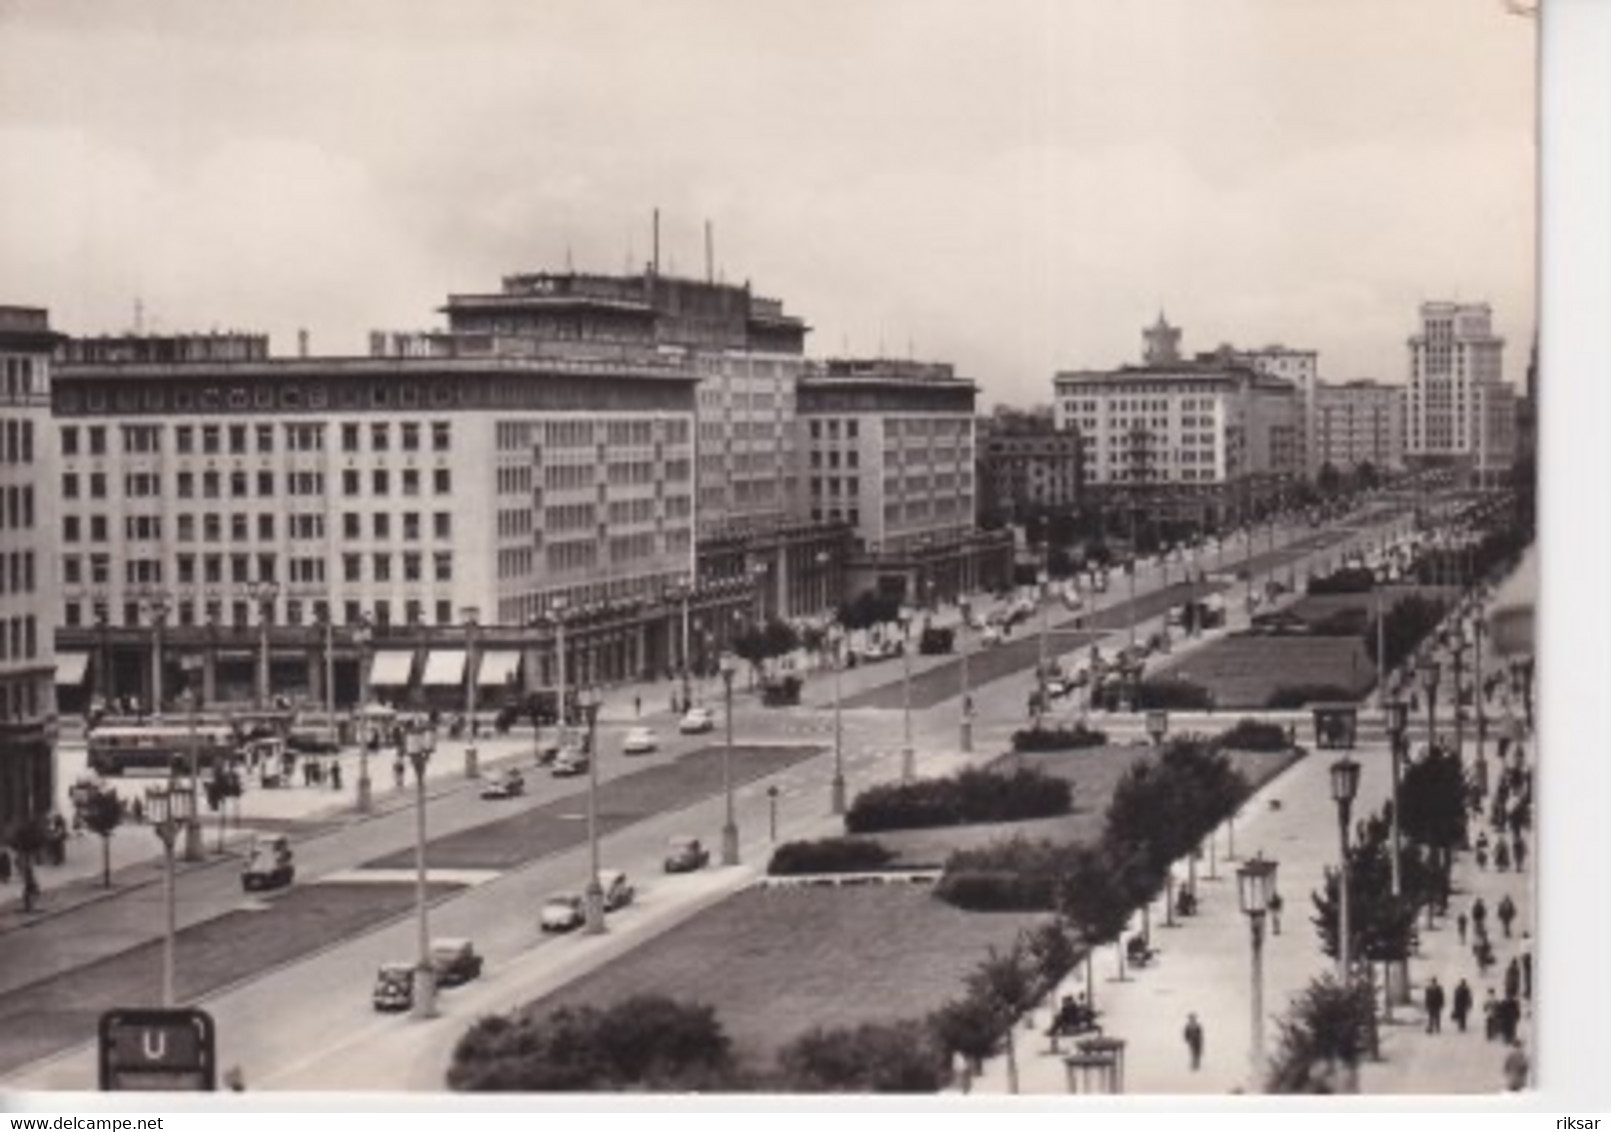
302	343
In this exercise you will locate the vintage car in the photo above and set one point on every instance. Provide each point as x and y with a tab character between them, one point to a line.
686	855
455	961
697	721
509	783
269	864
618	891
569	763
394	986
638	741
562	913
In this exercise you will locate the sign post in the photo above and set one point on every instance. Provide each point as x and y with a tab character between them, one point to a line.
148	1050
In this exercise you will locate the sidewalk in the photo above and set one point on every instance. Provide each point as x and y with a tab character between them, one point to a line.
1205	963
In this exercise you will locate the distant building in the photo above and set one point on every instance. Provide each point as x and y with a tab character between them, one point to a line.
1201	441
1458	404
1027	470
28	570
888	446
1302	369
1360	422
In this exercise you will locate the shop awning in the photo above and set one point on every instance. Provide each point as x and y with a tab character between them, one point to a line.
71	668
443	668
391	667
1511	617
498	666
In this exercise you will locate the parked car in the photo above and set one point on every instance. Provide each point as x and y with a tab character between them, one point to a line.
686	855
508	783
638	741
696	721
569	763
618	891
562	913
455	961
548	747
394	986
268	864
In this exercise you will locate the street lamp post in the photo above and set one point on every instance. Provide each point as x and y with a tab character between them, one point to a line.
472	614
419	744
169	809
1429	671
593	891
966	723
1398	721
557	609
687	595
836	790
193	846
264	593
1255	882
159	614
1042	592
1457	646
329	627
908	754
730	823
1344	787
362	634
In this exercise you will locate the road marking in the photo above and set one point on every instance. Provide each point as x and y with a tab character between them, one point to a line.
466	877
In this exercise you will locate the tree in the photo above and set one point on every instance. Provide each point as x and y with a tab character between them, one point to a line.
875	1057
969	1028
28	839
102	810
1322	1039
1432	798
1328	481
1096	897
1006	982
761	644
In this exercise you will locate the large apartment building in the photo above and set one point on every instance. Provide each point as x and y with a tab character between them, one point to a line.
1027	468
228	500
1302	369
1458	403
1360	422
28	574
887	446
1202	441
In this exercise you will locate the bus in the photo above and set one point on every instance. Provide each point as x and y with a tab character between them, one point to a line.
115	750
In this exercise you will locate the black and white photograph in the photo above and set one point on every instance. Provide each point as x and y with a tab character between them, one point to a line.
923	547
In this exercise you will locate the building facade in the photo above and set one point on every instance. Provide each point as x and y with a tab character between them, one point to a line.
28	572
1455	394
887	447
1302	369
1024	472
1360	422
223	510
1199	441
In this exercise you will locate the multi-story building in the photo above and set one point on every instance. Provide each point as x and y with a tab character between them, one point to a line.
1025	471
887	446
225	505
1456	367
28	574
1199	441
1360	422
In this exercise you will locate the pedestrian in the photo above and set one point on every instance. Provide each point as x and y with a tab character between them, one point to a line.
1460	1007
1460	926
1519	851
1513	979
1275	912
1502	856
1507	909
1517	1068
137	811
637	707
397	771
1527	972
1509	1016
1490	1015
1433	999
335	775
5	866
1479	917
30	887
1482	850
1194	1041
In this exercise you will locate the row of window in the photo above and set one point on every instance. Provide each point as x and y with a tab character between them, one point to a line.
237	439
297	612
306	526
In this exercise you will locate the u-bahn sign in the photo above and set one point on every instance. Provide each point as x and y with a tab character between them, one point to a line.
158	1051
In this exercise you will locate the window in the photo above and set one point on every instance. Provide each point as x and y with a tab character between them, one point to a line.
212	527
351	525
411	481
239	528
97	440
381	481
97	528
239	485
442	481
187	569
265	438
70	440
69	485
440	435
97	485
240	569
410	437
411	567
265	567
209	439
378	437
265	485
237	440
209	485
442	524
444	566
349	438
383	525
349	481
382	564
265	528
411	526
352	567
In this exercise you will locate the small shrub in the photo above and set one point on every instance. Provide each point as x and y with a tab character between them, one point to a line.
1073	738
1254	735
875	1057
970	796
828	855
1017	875
1302	695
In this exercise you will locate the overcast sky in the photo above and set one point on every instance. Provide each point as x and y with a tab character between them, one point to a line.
1015	186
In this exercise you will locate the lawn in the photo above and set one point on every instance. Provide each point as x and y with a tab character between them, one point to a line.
1243	671
775	962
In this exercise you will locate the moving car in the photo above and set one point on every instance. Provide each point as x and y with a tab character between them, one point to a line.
562	913
618	891
394	986
638	741
268	864
686	855
455	961
508	783
569	763
697	721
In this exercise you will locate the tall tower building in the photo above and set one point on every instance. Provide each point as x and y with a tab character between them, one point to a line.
1456	402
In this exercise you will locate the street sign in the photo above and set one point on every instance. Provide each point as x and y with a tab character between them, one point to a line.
158	1051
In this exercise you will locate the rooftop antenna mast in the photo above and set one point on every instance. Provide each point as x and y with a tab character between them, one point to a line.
655	260
710	254
139	315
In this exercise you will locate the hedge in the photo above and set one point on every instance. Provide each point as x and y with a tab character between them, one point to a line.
1169	695
1006	876
828	855
936	641
1253	735
1302	695
970	796
1351	580
1058	738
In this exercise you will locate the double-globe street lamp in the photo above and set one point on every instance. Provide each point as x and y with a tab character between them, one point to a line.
1398	722
908	753
593	891
1255	885
472	767
836	789
362	634
1344	788
419	743
965	724
728	666
1430	672
264	593
168	810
